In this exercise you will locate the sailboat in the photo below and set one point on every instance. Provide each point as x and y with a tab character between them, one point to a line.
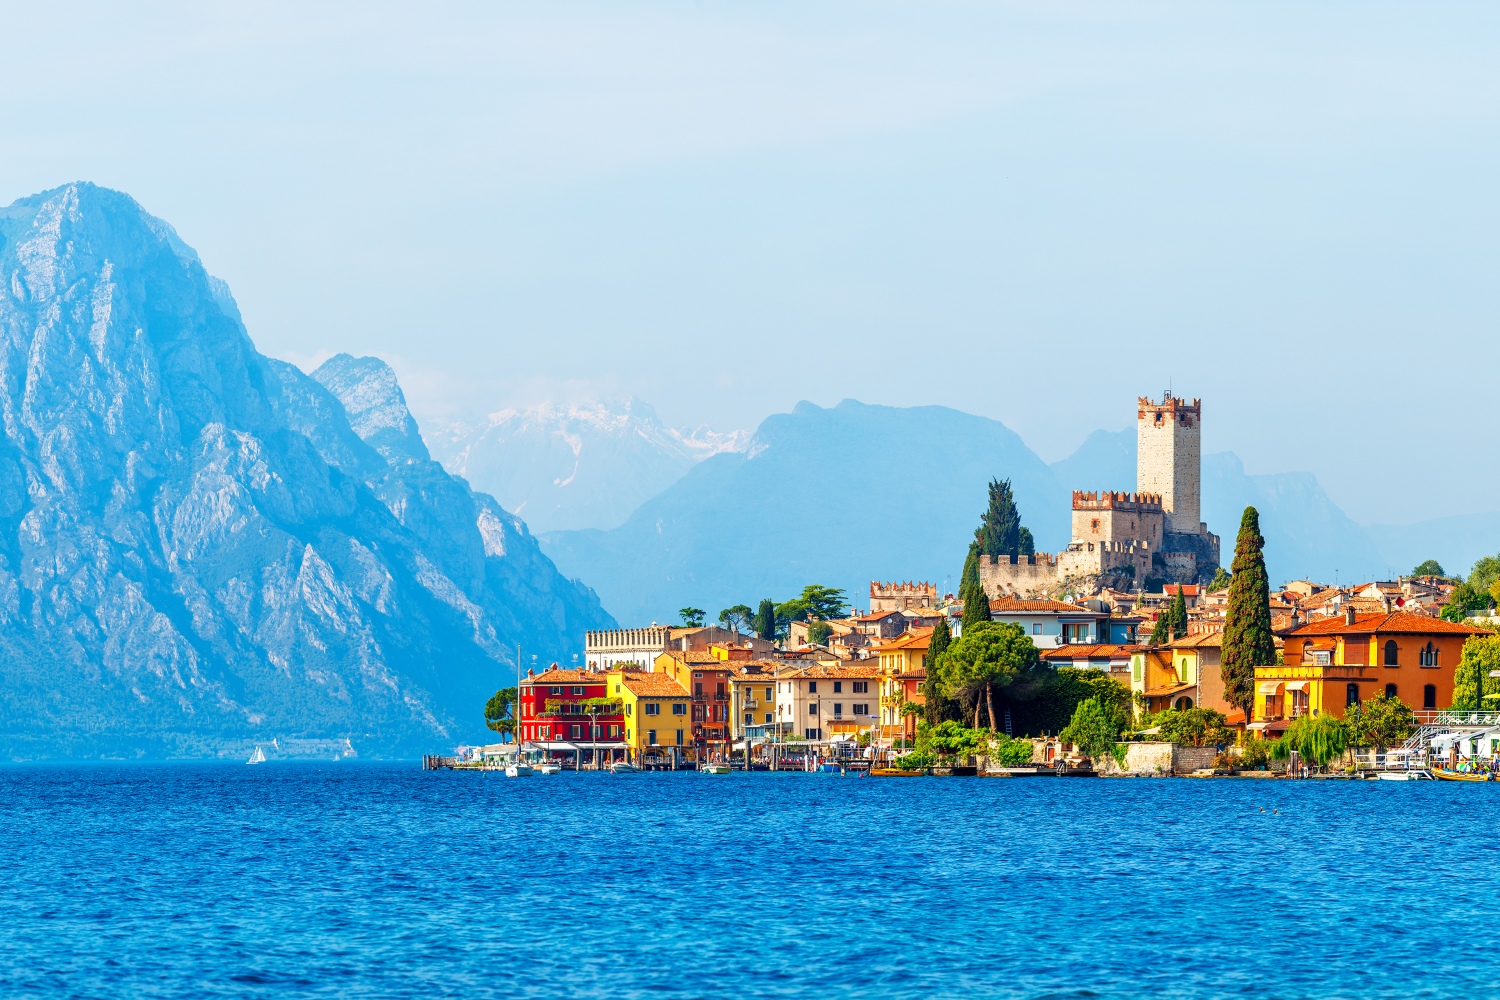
258	757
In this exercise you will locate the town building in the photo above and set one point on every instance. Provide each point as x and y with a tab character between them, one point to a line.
656	711
752	696
902	596
823	702
1195	657
607	649
903	668
706	679
570	711
1333	664
1052	623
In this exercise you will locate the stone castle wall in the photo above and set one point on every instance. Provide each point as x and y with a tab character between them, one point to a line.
1169	458
1024	576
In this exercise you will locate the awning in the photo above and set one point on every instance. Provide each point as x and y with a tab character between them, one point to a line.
1268	687
1298	686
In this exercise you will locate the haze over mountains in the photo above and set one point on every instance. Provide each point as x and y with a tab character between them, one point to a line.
200	545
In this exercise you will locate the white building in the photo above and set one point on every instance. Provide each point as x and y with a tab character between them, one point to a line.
1051	624
820	702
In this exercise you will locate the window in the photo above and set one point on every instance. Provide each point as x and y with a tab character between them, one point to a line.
1076	633
575	732
1390	690
627	708
1036	628
838	687
768	718
861	687
1391	654
697	673
812	734
1427	657
1299	703
1183	704
812	687
678	708
861	709
652	708
838	710
719	692
749	718
578	690
1351	695
1429	696
651	737
768	694
1094	524
812	709
697	690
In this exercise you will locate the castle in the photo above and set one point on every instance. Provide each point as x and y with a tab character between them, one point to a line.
1126	539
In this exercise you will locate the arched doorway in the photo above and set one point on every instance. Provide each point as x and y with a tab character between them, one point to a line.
1183	704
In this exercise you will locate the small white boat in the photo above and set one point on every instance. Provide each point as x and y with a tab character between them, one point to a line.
624	767
258	757
548	767
1417	775
519	770
715	768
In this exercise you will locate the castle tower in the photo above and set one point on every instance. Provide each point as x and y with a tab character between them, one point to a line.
1168	458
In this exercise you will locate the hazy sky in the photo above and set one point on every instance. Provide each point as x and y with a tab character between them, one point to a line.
1032	211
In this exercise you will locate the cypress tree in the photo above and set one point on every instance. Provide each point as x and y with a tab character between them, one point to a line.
765	620
976	606
1000	532
1178	617
970	576
1248	642
934	705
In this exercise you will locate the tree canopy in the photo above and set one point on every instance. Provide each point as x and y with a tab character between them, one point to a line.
692	617
1431	567
737	618
987	655
1381	722
1196	727
1092	729
765	620
935	704
1480	656
1248	642
1000	532
818	633
499	711
1221	579
814	603
1319	739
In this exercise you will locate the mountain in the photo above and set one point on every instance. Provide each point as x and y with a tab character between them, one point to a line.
200	546
580	466
1456	542
838	496
846	495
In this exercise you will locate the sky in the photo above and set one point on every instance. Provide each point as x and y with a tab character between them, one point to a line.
1032	211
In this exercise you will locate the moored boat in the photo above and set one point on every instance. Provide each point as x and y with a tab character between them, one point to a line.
520	769
548	767
624	767
1412	775
1443	774
715	768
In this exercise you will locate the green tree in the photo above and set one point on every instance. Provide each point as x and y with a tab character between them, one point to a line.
692	617
1464	600
1480	656
1092	729
1196	727
1484	574
1178	615
1000	532
1248	642
1221	579
987	655
969	578
765	620
818	633
976	606
1429	568
1161	632
1381	722
737	618
814	603
1319	739
499	711
935	706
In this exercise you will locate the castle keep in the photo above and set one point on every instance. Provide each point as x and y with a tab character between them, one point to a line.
1126	539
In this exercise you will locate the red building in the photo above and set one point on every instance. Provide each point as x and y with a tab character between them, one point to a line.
563	711
706	678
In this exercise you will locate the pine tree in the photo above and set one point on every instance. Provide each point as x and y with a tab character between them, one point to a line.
1248	642
976	606
1000	532
935	706
765	620
970	576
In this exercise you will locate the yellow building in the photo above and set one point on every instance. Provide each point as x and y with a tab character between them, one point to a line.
903	668
656	708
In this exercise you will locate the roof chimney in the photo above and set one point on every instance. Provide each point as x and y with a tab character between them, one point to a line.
1349	614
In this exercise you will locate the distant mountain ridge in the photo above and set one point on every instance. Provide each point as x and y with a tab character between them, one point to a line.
201	546
856	492
575	466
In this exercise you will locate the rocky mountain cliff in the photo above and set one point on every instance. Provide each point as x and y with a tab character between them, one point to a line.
576	466
200	545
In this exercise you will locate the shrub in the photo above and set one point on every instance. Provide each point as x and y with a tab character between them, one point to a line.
916	761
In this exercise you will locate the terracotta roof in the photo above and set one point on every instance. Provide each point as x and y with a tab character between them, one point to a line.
877	615
653	686
1094	652
1188	589
557	676
1012	604
696	658
917	638
1396	621
866	670
1162	692
1212	639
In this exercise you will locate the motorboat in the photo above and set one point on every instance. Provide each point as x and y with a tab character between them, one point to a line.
1444	774
520	769
715	768
1414	775
624	767
548	767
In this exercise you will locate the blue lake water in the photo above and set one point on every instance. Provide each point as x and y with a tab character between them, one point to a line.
380	880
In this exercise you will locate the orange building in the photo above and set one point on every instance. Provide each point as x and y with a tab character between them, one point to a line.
903	668
1332	664
706	679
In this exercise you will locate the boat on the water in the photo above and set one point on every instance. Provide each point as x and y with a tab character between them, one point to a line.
1443	774
715	768
520	769
1417	774
258	757
548	767
624	767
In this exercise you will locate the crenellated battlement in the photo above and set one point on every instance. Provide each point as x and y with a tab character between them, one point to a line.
901	596
1111	500
1169	404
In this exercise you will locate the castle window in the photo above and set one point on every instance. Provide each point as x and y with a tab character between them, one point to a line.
1095	524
